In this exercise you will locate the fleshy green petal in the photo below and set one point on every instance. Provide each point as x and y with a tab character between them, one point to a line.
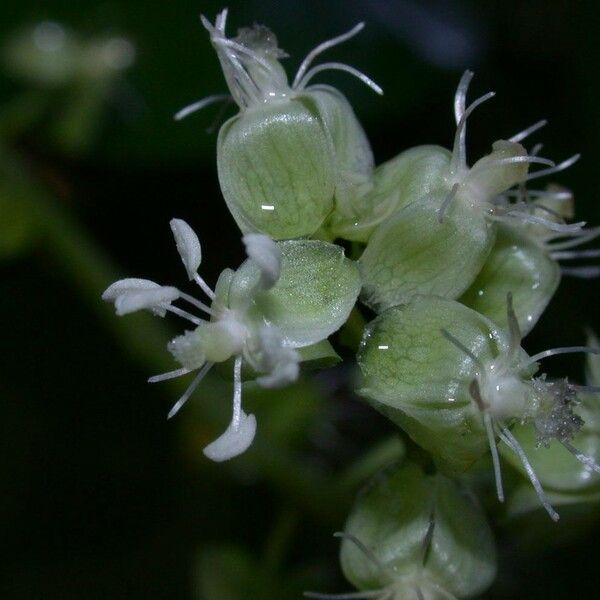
313	297
397	183
414	253
420	380
393	517
276	169
521	267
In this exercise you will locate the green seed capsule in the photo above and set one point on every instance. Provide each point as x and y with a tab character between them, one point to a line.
438	216
520	266
293	150
413	535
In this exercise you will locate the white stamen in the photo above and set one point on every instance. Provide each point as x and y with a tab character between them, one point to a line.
560	167
554	351
169	375
234	441
196	303
186	395
581	272
204	287
511	160
340	67
186	111
552	225
512	443
188	246
321	48
489	428
536	149
441	211
460	98
461	347
580	237
184	314
575	254
237	393
581	457
518	137
459	152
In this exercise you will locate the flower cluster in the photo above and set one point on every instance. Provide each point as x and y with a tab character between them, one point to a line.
457	262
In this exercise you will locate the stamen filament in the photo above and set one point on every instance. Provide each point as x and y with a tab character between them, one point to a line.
581	457
461	347
169	375
197	303
186	395
575	254
203	285
441	211
459	152
489	428
582	272
508	438
560	167
512	160
237	393
580	237
528	131
552	225
321	48
184	314
460	97
340	67
199	105
555	351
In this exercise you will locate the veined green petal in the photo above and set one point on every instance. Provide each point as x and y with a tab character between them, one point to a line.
353	155
414	253
313	297
521	267
276	169
420	380
398	182
394	518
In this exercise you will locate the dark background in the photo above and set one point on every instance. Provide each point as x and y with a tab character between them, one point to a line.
100	496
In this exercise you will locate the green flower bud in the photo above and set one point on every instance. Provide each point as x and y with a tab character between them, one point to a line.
520	266
450	400
413	535
291	151
421	381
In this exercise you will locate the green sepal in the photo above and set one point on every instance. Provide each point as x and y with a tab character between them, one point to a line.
397	183
425	531
276	169
517	265
420	380
313	297
414	253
